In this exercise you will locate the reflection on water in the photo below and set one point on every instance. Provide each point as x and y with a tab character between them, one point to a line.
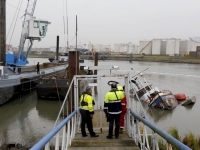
158	115
48	109
27	119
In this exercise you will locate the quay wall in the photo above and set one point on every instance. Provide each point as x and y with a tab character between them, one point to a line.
147	58
138	57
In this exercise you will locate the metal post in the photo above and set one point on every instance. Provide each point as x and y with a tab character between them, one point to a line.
76	46
57	48
2	31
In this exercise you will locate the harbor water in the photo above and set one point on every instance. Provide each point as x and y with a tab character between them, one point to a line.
27	119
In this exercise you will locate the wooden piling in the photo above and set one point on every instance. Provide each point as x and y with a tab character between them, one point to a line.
72	70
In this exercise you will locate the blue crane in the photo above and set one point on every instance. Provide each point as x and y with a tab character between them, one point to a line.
32	29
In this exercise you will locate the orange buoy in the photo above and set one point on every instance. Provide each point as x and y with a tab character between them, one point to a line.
180	96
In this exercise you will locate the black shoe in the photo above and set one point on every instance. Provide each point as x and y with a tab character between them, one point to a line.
109	137
84	135
95	135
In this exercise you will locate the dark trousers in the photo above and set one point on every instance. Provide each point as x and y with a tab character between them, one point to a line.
38	70
114	118
86	119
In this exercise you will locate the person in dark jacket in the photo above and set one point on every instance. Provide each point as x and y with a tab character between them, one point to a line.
87	112
113	102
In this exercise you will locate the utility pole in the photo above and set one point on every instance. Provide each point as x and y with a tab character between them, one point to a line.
2	31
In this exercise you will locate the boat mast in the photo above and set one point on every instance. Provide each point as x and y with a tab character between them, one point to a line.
2	31
76	44
67	27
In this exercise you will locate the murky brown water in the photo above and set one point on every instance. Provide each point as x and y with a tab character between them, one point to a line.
27	119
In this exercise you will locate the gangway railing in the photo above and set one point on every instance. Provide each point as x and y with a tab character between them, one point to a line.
136	126
69	123
141	138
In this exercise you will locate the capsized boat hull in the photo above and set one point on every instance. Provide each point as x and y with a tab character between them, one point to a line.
155	98
189	101
164	99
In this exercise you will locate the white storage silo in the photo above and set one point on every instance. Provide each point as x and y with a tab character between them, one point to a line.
117	48
156	45
145	47
172	47
183	46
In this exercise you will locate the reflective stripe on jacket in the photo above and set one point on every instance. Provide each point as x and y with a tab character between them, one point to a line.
90	104
113	101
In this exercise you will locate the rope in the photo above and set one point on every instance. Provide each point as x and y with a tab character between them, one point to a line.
12	19
59	98
57	91
15	22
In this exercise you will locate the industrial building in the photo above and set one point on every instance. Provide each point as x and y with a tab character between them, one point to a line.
126	48
99	47
167	46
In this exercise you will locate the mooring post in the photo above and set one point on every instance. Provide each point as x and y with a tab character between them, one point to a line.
72	70
131	57
57	48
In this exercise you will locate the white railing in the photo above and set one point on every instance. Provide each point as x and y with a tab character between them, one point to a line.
67	129
144	133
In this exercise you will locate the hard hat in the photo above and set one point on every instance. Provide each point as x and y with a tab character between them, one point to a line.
120	88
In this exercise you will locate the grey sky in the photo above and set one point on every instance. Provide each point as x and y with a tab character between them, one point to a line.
112	21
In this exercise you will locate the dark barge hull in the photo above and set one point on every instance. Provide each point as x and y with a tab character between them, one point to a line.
11	89
54	89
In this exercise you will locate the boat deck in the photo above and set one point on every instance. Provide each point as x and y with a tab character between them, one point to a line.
28	74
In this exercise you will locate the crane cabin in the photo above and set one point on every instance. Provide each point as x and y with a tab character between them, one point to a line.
35	28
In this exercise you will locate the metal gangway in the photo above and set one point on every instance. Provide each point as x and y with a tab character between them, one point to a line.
144	134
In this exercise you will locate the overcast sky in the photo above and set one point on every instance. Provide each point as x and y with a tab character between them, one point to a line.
111	21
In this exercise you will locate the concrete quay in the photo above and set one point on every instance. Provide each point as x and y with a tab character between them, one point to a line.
146	58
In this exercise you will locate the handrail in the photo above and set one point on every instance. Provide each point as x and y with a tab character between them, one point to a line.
64	102
163	134
47	137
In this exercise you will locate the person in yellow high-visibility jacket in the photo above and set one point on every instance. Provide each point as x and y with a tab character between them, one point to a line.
112	104
87	112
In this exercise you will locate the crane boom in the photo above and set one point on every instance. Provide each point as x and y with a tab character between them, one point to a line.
28	14
29	10
32	29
